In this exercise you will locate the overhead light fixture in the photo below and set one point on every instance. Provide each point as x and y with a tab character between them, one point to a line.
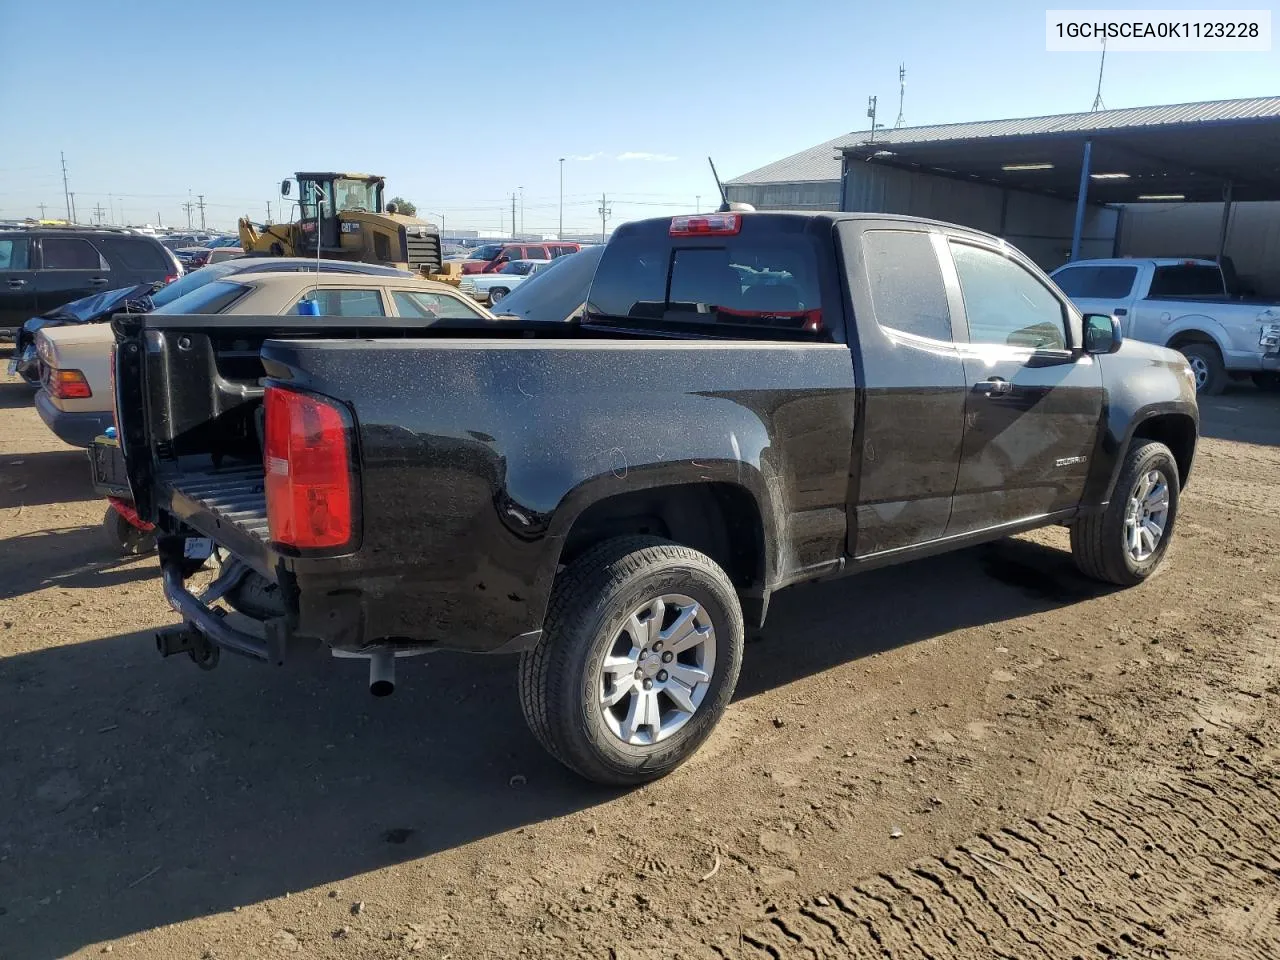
1162	196
1109	176
1027	166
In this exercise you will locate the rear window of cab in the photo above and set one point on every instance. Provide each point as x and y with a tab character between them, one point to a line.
767	275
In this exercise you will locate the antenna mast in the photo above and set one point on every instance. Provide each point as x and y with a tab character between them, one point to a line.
1097	100
902	96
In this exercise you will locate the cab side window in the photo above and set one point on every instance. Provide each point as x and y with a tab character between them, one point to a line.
1005	303
907	291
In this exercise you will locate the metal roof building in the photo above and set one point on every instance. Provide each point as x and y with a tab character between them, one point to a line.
1054	185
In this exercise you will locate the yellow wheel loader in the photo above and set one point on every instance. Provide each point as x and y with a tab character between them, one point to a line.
342	216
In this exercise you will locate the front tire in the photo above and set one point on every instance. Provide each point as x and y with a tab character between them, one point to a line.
1206	363
637	660
497	293
1126	542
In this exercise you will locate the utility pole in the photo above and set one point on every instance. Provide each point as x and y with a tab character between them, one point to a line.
187	207
65	195
902	96
73	208
697	203
97	214
201	206
513	214
159	223
268	211
604	217
41	206
111	207
560	231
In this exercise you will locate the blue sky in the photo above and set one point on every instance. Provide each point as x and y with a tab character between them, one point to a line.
461	104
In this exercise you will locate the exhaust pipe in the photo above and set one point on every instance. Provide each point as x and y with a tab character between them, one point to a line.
382	673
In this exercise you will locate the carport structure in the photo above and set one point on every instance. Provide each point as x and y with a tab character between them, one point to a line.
1221	151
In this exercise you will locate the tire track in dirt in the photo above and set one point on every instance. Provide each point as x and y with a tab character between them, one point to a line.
1188	868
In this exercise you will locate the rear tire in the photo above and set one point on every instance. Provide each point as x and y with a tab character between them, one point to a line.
565	681
1102	544
497	293
1206	364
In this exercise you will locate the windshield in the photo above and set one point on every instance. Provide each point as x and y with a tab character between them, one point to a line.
356	195
487	252
556	291
192	281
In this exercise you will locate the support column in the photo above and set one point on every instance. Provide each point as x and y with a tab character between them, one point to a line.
1226	217
1082	198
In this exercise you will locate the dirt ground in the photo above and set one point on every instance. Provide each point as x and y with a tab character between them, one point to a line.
980	755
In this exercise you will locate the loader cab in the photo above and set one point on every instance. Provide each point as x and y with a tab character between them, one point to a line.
324	199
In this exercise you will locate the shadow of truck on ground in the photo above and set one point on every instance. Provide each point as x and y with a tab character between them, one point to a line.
136	792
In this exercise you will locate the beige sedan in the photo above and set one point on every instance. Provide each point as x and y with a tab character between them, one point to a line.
75	395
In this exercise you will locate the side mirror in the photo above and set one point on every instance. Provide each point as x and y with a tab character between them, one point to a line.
285	187
308	308
1102	333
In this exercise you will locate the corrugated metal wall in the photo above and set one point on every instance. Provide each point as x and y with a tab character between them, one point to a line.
1039	226
1191	230
819	195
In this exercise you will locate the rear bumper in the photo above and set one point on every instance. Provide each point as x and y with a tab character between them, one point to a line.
76	428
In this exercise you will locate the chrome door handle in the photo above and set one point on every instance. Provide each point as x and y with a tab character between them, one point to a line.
17	284
994	387
98	281
1121	311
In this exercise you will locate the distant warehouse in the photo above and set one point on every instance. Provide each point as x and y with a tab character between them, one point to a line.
1197	179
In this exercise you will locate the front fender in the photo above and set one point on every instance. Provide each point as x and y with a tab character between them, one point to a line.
1141	381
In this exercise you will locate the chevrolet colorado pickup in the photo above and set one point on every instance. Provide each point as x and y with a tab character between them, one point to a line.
747	401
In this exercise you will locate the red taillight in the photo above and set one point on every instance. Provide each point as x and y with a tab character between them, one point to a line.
309	485
69	385
170	278
706	225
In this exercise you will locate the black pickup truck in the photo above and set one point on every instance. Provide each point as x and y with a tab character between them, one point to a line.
747	401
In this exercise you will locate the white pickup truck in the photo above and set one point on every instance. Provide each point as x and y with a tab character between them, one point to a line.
1183	304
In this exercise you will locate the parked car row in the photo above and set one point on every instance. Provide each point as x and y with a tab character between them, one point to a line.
492	257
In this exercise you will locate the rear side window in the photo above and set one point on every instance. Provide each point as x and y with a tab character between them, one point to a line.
13	253
759	279
210	298
134	253
1093	282
907	292
561	250
346	303
1187	281
432	306
70	253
